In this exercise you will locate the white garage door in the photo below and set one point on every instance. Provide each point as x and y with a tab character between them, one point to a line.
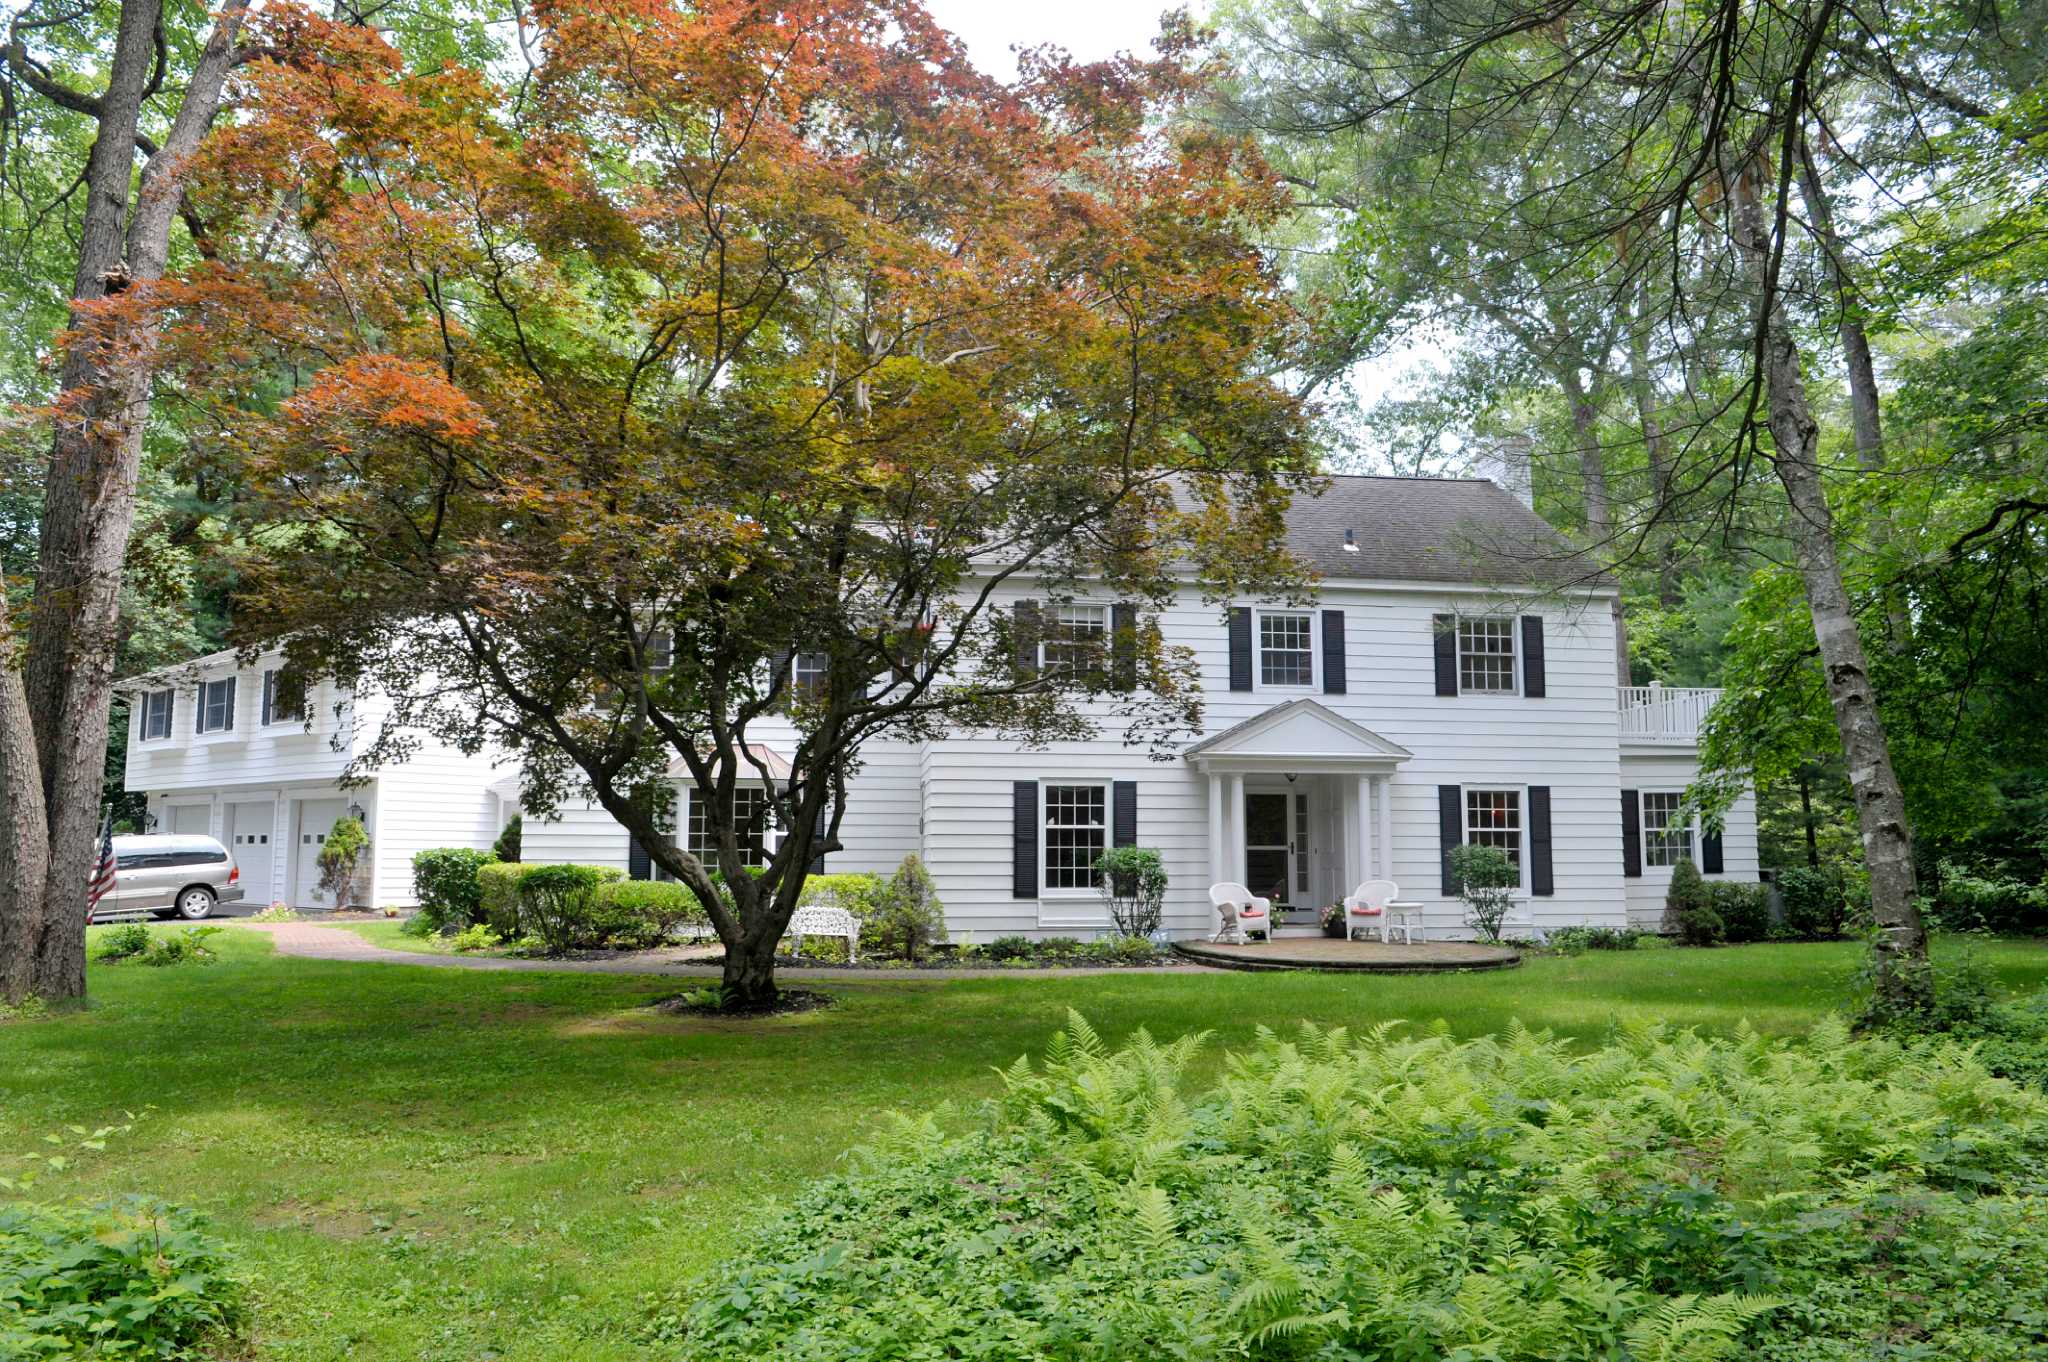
316	817
250	827
192	818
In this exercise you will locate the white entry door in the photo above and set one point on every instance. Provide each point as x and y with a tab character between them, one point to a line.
250	826
309	833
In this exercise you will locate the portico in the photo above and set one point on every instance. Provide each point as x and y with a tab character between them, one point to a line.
1299	803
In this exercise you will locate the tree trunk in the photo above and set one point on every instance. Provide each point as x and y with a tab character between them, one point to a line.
89	494
1599	508
749	980
24	832
1806	814
1642	389
1903	983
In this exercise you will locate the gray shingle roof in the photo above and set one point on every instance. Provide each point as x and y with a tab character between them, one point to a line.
1433	530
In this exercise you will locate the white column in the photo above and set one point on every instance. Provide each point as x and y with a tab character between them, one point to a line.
1347	819
1386	803
1366	859
1217	850
1233	835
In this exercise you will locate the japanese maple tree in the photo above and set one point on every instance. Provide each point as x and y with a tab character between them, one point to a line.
570	409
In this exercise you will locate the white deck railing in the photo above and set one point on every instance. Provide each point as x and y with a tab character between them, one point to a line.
1655	713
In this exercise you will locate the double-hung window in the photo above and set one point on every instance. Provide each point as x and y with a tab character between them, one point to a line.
217	705
750	814
1077	639
807	674
284	701
156	715
1493	818
660	651
1287	648
1076	833
1486	655
1667	834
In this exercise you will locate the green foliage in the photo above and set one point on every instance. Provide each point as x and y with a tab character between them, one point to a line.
445	884
1486	881
1579	940
128	1279
498	894
642	914
420	925
556	902
477	938
1132	881
276	912
1009	948
1988	899
1509	1197
341	855
1689	912
1816	902
506	848
907	918
1744	909
858	892
122	941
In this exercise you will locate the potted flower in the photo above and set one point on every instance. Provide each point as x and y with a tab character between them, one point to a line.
1333	920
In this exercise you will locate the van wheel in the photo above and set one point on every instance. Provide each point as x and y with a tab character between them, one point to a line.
195	903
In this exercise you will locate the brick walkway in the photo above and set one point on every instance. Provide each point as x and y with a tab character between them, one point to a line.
315	941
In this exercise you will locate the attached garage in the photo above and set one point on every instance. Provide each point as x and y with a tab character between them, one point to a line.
316	817
196	819
251	826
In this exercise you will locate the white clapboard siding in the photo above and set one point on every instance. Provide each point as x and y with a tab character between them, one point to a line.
437	797
1665	770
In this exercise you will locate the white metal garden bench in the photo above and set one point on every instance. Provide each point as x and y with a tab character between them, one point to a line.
825	922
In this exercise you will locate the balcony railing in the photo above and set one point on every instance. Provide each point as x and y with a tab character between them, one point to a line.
1673	714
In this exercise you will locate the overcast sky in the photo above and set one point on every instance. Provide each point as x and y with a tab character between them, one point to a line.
1090	29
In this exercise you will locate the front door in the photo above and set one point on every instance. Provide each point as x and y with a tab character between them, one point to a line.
1269	845
316	818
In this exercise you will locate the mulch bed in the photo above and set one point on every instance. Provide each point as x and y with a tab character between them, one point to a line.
788	1002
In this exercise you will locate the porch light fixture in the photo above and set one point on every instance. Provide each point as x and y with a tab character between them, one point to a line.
355	811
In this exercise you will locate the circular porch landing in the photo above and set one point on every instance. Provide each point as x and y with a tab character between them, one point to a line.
1360	957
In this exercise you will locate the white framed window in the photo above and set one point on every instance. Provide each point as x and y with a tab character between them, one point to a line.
1076	832
284	702
1493	818
155	715
1486	655
217	706
748	804
807	673
1667	835
1287	648
1076	638
660	651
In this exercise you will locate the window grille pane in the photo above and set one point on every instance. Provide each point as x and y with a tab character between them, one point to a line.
1076	832
1286	650
1076	638
156	714
217	705
1493	818
807	673
1301	843
1486	656
1667	838
748	801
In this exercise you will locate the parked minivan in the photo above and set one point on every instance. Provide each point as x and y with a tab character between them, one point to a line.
180	874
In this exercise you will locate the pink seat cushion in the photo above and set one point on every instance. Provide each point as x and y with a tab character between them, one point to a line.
1366	910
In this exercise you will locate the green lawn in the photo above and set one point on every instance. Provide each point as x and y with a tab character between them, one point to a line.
427	1163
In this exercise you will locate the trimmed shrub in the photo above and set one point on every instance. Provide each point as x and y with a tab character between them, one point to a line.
1689	908
128	1279
1486	881
477	938
1427	1207
908	917
555	904
1132	881
444	882
858	892
1816	902
642	914
1745	909
1009	948
497	884
506	848
344	862
1579	940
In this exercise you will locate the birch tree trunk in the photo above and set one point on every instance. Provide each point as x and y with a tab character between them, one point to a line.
65	684
1903	982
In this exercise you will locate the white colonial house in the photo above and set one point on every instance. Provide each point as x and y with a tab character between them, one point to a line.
1453	680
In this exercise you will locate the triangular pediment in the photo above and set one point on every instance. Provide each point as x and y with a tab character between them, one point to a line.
1295	731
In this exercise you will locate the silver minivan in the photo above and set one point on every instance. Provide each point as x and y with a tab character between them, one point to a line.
180	873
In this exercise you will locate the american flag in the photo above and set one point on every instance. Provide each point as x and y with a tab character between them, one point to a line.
101	882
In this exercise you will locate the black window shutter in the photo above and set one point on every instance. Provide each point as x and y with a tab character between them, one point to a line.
1333	652
1710	852
1446	629
1024	639
1532	656
1240	647
639	865
1631	834
1124	814
1024	840
782	673
1450	830
1541	879
1123	644
818	830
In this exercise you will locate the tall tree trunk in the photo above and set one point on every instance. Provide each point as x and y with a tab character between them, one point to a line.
1642	389
66	683
24	831
1866	415
1903	982
1599	506
1806	817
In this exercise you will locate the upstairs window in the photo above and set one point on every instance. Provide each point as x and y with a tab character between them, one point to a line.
217	705
1286	648
660	651
1493	818
1076	833
750	817
807	673
1486	655
284	699
156	715
1076	639
1667	836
